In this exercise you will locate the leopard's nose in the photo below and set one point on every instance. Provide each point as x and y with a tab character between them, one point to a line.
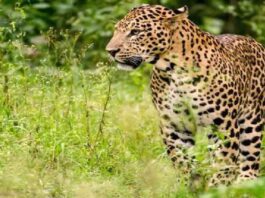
113	52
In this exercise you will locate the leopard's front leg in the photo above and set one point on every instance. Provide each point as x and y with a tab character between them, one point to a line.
178	143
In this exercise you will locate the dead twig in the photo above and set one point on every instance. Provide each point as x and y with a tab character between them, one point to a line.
102	120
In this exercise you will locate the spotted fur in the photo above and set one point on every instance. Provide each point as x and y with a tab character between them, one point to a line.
199	79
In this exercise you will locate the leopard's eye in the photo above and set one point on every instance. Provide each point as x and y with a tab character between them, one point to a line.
134	32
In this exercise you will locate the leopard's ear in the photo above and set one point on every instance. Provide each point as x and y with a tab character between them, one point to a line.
181	14
183	11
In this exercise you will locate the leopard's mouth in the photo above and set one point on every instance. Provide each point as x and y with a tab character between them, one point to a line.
130	63
125	67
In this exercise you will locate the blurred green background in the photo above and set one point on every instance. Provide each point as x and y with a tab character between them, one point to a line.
90	23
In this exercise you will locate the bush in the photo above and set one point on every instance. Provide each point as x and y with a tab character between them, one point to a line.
93	22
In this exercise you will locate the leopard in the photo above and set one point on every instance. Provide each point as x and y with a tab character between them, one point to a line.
198	80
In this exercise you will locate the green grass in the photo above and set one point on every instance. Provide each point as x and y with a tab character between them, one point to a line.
53	142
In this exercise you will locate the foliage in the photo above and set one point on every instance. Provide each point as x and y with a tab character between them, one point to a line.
94	22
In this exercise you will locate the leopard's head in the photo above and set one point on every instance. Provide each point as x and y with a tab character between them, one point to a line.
143	34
